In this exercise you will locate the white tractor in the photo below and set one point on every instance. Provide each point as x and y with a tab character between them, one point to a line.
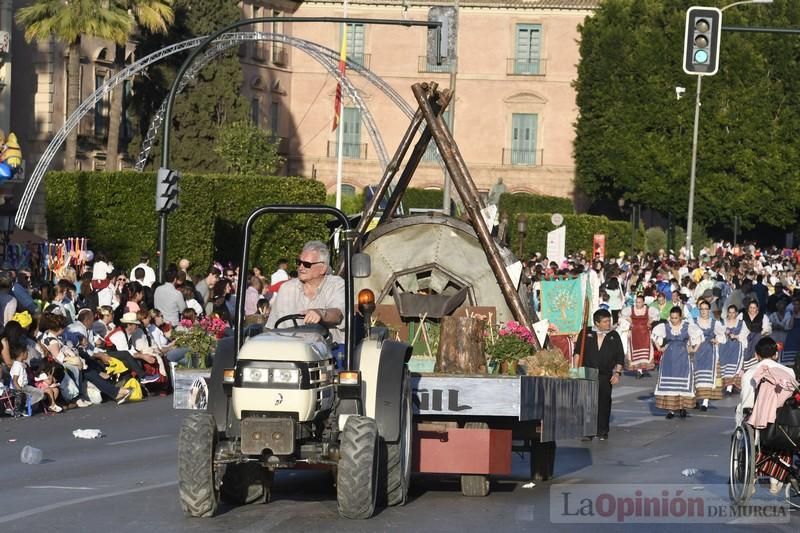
276	401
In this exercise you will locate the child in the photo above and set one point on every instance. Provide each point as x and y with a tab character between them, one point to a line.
19	374
48	385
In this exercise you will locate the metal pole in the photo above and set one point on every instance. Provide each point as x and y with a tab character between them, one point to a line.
692	173
448	183
340	111
162	246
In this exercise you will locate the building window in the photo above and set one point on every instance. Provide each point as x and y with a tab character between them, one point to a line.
355	43
100	108
348	190
127	92
255	111
431	152
351	129
523	139
527	54
274	117
280	55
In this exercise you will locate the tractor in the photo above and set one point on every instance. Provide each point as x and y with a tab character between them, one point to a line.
276	400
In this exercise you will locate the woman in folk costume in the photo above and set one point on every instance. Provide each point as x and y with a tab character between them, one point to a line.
792	344
757	325
781	323
675	388
706	358
635	322
731	353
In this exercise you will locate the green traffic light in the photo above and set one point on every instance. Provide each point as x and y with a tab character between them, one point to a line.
700	56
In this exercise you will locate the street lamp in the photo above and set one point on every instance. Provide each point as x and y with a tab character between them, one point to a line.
692	174
522	227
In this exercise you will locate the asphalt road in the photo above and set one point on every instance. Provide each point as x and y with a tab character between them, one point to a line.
126	481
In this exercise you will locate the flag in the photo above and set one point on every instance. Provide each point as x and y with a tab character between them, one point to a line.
342	68
563	303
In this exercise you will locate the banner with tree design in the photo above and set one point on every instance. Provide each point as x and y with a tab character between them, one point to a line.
563	303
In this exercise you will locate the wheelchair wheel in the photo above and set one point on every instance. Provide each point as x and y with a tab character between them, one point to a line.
742	464
792	492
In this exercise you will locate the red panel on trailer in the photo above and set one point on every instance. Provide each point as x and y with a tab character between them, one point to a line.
463	451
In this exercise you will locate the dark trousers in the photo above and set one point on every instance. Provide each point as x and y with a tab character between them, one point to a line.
106	387
603	403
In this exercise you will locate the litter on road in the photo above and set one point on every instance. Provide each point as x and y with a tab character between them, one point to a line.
87	434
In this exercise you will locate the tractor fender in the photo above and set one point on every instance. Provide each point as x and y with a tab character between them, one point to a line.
389	388
218	395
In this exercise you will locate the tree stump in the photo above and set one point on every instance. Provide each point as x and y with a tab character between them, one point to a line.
461	346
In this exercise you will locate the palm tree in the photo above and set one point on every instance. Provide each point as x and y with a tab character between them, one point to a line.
66	21
154	16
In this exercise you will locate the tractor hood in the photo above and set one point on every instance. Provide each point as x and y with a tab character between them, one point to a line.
290	346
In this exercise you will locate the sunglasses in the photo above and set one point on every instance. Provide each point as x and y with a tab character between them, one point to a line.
307	264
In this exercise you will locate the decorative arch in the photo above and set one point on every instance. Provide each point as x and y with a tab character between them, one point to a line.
326	56
529	97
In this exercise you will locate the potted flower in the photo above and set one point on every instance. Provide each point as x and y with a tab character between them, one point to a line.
512	342
198	340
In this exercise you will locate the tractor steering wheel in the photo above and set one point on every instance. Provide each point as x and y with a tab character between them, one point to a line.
319	328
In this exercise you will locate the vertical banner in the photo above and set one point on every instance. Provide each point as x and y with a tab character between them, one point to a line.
563	303
556	244
599	246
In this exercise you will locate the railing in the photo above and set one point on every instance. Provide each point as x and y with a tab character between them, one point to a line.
525	67
280	56
522	158
426	66
361	59
349	150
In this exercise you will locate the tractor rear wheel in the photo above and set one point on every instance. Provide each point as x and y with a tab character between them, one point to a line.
398	454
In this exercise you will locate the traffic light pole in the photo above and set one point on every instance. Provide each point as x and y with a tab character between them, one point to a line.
693	171
162	246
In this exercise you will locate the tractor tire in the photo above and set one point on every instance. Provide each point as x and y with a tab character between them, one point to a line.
246	483
197	483
475	485
398	454
357	480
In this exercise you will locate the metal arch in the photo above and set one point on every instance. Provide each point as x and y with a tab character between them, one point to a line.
132	70
327	57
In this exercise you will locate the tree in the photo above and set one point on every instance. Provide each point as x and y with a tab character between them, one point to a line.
633	137
213	100
154	16
247	149
66	22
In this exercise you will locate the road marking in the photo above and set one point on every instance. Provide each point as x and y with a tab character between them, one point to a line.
636	422
142	439
656	458
76	501
60	487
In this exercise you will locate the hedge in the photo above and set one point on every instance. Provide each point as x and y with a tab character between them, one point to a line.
115	210
580	234
534	203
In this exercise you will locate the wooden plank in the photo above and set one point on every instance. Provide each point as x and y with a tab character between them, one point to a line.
466	395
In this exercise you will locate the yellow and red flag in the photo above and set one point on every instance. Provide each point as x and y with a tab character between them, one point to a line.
342	68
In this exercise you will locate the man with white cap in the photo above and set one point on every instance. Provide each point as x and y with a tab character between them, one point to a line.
122	340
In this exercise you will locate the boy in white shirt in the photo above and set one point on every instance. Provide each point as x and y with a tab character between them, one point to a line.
19	375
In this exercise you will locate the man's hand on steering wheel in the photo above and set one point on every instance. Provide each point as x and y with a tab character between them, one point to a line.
313	316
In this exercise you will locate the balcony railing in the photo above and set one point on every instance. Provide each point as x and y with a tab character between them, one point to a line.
349	150
360	59
525	67
522	158
426	66
280	56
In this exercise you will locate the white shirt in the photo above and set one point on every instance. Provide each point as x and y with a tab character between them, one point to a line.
101	270
120	341
278	276
105	297
18	371
149	274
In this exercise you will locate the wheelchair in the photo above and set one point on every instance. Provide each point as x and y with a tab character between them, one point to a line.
752	448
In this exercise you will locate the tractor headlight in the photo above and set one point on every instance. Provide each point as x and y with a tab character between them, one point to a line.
255	375
285	375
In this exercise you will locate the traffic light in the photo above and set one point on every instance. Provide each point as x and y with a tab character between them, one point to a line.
701	42
167	190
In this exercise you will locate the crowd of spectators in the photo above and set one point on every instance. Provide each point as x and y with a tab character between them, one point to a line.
106	334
